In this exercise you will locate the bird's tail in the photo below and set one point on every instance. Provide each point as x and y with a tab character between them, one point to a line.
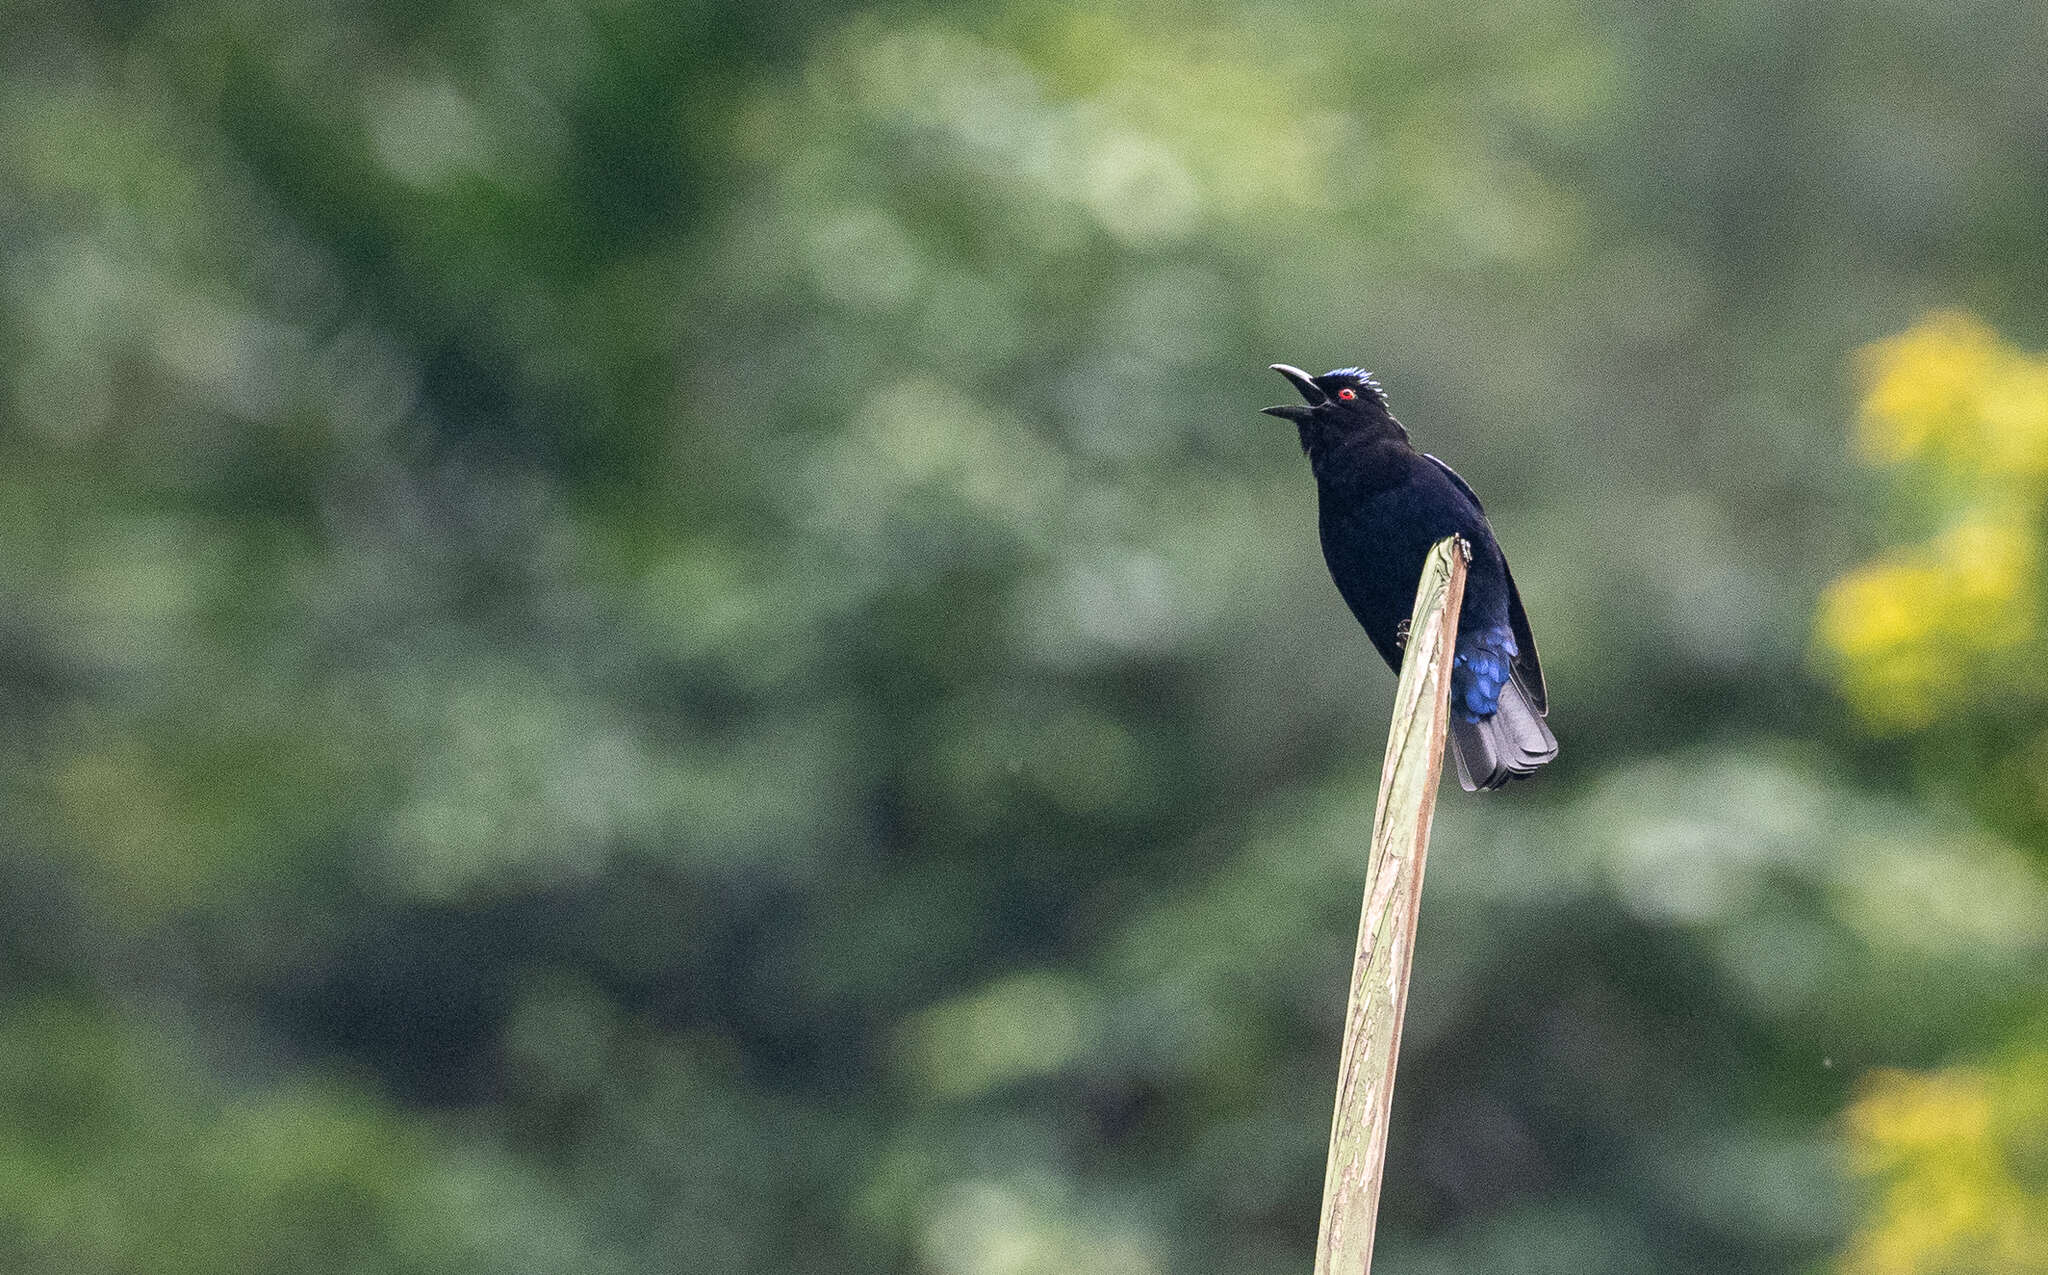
1510	744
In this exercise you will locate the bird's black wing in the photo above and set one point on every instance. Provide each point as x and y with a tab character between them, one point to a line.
1527	666
1456	481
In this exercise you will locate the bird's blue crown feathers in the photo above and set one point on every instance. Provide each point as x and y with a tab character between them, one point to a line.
1366	381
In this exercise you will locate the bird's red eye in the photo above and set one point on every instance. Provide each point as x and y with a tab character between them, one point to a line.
1347	395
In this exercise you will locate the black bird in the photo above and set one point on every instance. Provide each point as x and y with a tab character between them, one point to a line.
1382	505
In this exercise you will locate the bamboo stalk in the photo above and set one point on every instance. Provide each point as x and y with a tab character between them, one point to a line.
1386	925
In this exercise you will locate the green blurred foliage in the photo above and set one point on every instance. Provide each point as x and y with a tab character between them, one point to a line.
662	636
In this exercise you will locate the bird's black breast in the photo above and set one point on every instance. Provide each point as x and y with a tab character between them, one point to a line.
1379	513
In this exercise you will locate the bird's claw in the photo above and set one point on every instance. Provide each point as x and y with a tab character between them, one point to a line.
1401	635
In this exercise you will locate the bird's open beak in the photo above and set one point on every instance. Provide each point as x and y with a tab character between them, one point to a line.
1309	390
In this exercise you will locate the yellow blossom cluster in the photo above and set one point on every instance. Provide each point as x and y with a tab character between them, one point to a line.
1960	1162
1949	388
1921	628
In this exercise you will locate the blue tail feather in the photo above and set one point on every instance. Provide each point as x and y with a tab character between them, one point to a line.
1483	664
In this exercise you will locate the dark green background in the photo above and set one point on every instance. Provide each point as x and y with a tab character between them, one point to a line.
646	637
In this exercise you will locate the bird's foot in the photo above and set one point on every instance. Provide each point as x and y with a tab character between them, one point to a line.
1401	635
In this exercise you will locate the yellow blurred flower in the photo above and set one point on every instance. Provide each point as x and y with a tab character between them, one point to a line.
1925	628
1950	387
2014	406
1958	1162
1921	384
1909	631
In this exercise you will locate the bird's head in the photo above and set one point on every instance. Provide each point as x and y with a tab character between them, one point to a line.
1340	407
1346	398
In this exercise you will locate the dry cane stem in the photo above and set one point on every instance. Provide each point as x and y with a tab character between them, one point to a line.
1386	928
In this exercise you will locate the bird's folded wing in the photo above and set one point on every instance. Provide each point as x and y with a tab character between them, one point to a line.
1527	667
